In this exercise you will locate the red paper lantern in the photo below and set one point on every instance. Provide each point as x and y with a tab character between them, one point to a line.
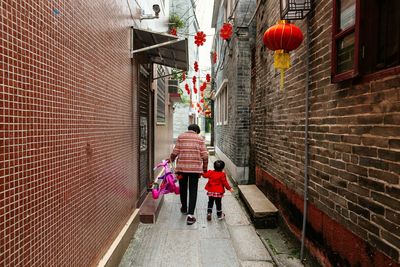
282	38
200	38
226	31
196	66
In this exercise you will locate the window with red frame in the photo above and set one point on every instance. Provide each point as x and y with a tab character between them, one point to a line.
366	38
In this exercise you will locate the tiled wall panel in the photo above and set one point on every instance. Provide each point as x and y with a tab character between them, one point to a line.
68	137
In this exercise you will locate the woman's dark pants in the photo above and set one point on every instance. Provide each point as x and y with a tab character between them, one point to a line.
191	179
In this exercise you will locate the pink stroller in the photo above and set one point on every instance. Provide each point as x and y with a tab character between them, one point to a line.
167	183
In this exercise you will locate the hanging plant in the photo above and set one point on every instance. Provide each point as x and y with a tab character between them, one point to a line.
226	31
200	38
175	22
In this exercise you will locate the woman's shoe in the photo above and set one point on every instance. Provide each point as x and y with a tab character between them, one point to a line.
190	220
209	217
222	216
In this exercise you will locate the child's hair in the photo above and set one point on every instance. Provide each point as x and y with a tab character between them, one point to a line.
219	165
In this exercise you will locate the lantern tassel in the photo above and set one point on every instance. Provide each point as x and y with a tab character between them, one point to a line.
281	62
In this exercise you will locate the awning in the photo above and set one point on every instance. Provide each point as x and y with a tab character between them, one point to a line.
163	49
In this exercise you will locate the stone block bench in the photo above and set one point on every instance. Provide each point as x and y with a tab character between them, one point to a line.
263	213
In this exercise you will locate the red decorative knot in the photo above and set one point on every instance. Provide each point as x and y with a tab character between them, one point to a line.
194	89
173	31
203	86
208	77
187	88
202	100
194	80
183	76
283	36
200	38
226	31
214	57
196	66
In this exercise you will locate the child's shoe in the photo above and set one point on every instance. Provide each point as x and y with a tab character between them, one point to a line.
208	216
222	216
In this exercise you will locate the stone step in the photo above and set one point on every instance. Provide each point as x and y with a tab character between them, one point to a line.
211	150
150	208
263	213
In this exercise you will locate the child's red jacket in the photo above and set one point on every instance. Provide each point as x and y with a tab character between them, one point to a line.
216	182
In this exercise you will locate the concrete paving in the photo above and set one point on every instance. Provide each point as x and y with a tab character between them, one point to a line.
170	242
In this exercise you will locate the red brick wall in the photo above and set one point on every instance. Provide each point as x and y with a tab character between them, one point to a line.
354	137
68	139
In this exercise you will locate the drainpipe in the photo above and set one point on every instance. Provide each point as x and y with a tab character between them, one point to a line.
306	147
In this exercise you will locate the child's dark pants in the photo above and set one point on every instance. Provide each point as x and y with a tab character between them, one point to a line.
218	203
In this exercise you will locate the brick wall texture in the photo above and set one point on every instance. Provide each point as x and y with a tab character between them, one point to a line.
354	142
233	138
68	151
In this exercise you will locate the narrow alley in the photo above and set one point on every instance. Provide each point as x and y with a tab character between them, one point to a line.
170	242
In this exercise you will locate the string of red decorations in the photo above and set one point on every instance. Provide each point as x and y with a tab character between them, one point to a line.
203	86
226	31
183	76
196	66
187	89
214	57
200	38
173	31
208	77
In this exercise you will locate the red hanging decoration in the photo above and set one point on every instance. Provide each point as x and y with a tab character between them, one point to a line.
194	80
187	88
208	77
202	100
196	66
173	31
194	89
183	76
282	38
200	38
203	86
214	57
226	31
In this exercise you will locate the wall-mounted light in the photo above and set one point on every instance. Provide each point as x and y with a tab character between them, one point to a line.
295	9
156	9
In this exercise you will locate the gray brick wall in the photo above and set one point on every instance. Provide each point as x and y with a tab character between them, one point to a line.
233	139
354	135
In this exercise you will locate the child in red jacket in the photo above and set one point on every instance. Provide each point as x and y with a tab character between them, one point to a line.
216	188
